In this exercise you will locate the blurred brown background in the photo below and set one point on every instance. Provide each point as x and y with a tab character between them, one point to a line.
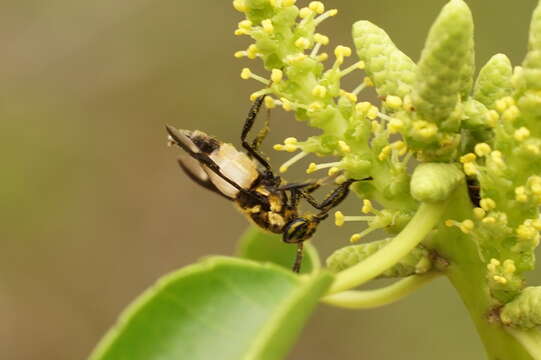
93	207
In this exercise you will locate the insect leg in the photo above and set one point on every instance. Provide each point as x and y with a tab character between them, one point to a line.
298	257
248	124
332	200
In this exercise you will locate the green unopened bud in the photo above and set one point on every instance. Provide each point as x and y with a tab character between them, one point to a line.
494	81
434	182
525	310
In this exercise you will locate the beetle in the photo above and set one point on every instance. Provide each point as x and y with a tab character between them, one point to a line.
248	180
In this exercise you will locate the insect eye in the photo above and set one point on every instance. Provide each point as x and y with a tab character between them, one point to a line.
298	230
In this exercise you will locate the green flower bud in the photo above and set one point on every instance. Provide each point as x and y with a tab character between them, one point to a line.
445	71
525	310
433	182
494	81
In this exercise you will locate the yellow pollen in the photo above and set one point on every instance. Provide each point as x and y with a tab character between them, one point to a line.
470	169
492	118
291	140
526	232
251	52
355	238
482	149
245	25
479	213
322	57
277	75
332	12
240	54
520	194
240	32
315	106
521	134
295	59
333	171
270	103
500	279
368	81
511	114
319	91
340	179
401	147
489	220
509	266
317	6
312	168
305	12
339	218
363	107
367	207
372	113
321	39
450	223
302	43
504	103
385	152
469	157
286	104
466	226
267	26
239	5
246	74
278	147
394	102
343	146
341	52
487	204
395	125
350	96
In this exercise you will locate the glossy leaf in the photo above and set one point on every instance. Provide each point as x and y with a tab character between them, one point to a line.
221	308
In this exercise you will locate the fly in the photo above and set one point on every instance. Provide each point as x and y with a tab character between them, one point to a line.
248	180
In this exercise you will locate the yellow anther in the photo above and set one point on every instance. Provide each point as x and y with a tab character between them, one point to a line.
494	263
322	57
290	147
425	129
520	194
466	226
305	12
489	220
321	39
500	279
245	24
368	81
278	147
372	113
526	232
363	107
339	218
343	146
251	52
239	5
470	169
467	158
315	106
332	12
311	168
479	213
333	171
319	91
394	102
401	147
295	59
375	126
355	238
342	51
482	149
240	32
291	141
395	125
350	96
509	266
367	207
492	118
385	152
246	74
511	114
317	7
286	104
521	134
534	149
504	103
487	204
450	223
277	75
270	103
267	26
240	54
302	43
340	179
287	3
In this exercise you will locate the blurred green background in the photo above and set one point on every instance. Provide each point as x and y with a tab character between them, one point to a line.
93	206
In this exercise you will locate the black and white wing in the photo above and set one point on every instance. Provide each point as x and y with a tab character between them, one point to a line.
195	171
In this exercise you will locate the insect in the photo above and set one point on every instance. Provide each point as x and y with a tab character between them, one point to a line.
248	180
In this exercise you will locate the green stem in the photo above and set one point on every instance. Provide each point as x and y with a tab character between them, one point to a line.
530	339
426	217
355	299
467	273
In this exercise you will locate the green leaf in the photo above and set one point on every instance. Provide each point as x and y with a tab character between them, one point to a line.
221	308
265	247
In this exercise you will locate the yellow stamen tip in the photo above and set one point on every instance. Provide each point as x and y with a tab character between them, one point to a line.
367	206
277	75
246	74
343	146
449	223
482	149
339	218
278	147
355	238
267	26
311	168
479	213
283	168
319	91
333	171
240	54
239	5
317	7
487	204
321	39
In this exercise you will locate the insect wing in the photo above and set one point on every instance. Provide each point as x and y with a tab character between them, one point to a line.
197	173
